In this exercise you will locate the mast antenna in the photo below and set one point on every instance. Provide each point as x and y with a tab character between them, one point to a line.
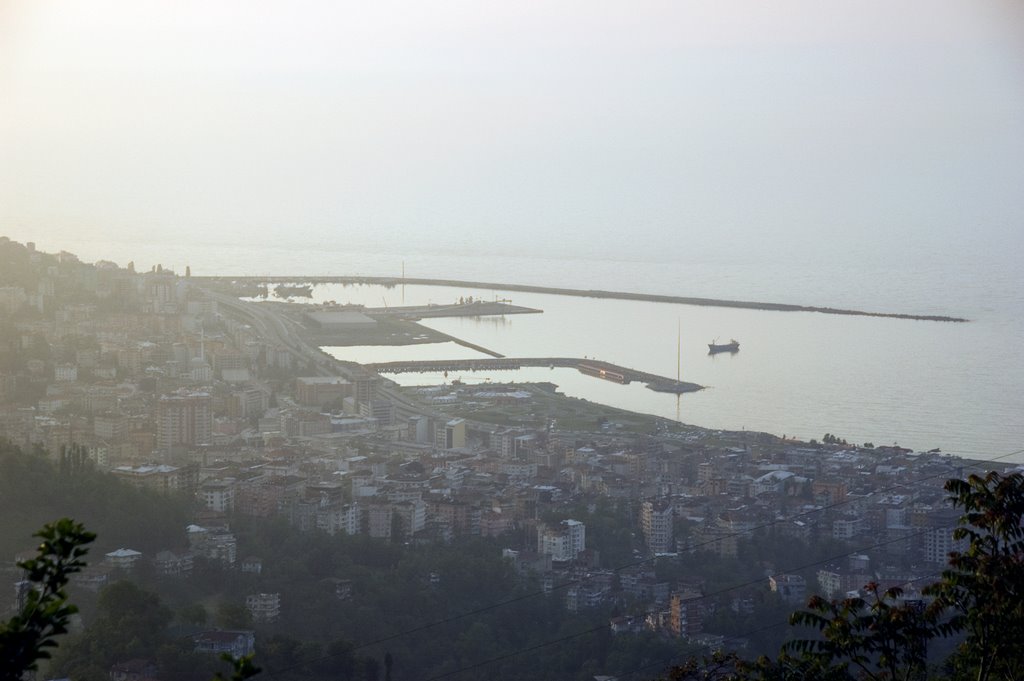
679	367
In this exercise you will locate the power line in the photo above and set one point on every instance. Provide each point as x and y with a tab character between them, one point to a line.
698	598
670	661
570	583
602	626
533	594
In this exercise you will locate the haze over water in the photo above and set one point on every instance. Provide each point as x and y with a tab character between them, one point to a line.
852	154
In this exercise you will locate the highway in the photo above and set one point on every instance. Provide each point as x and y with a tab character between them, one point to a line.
280	330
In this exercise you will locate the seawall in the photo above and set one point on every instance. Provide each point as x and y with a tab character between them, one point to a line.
590	293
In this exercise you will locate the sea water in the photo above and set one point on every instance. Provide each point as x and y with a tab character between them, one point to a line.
920	384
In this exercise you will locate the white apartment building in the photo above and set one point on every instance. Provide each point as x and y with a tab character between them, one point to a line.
347	519
218	495
65	373
563	542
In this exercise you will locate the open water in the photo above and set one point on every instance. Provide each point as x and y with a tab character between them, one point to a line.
921	384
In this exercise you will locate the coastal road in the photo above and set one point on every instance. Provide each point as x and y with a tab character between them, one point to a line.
280	330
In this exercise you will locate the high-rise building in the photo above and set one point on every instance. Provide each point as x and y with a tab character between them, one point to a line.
379	516
184	418
365	389
656	519
452	436
382	410
419	429
938	541
686	618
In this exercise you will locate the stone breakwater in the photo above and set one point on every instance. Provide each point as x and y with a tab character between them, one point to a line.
588	293
591	367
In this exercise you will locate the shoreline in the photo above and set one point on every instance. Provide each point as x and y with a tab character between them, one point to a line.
588	293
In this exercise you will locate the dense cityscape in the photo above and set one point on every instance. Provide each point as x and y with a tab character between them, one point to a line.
640	527
543	341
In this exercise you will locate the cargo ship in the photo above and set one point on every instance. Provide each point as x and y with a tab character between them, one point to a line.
731	346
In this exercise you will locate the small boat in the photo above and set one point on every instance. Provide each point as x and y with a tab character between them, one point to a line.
731	346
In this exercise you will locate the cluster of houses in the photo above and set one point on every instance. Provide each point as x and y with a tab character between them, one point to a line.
145	374
886	504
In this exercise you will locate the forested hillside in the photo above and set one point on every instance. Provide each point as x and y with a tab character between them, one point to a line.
36	488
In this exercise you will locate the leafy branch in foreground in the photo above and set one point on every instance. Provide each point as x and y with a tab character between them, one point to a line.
878	637
26	638
242	668
983	587
884	639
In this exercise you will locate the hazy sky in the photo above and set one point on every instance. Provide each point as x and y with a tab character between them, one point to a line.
426	124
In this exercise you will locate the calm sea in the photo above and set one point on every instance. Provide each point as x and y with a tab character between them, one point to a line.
921	384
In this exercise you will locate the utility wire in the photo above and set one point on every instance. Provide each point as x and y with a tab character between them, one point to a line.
533	594
602	626
698	598
671	660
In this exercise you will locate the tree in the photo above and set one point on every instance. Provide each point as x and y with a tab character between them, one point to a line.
883	639
979	597
339	660
129	612
233	615
130	622
371	669
242	668
984	585
194	614
27	637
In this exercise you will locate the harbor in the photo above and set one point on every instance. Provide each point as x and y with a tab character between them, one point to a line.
774	382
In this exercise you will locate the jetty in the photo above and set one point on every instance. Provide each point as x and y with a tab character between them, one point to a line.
250	282
475	308
591	367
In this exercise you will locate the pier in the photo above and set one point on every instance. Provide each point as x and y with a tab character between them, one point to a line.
590	367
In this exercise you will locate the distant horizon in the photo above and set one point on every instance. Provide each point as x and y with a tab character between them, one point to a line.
928	286
661	132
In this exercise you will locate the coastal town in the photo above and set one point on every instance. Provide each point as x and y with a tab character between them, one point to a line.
180	387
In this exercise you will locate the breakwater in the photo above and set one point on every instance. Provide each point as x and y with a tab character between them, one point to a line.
591	367
583	293
476	308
